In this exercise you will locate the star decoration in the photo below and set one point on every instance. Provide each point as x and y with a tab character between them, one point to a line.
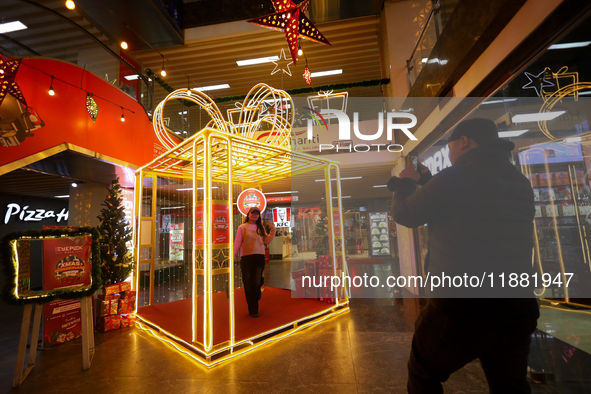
282	59
8	85
291	19
92	107
307	76
537	82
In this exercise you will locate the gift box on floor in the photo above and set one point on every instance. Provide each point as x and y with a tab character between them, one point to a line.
111	289
125	286
298	273
108	307
127	320
108	323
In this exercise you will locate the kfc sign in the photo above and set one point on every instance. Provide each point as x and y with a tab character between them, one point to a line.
282	217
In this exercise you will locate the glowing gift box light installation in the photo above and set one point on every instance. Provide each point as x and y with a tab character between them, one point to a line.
187	296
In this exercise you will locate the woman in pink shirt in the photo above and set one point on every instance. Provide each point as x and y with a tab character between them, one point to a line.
250	242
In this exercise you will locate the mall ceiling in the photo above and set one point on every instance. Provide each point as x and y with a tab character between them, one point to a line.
206	60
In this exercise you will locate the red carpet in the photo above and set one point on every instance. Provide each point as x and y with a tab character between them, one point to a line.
365	261
276	308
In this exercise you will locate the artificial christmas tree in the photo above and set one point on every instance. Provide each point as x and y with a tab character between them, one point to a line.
115	234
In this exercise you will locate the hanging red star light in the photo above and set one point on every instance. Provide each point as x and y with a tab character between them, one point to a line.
8	85
291	19
307	75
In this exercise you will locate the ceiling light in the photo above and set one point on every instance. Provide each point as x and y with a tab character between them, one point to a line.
322	198
289	192
259	60
381	186
11	26
131	77
199	188
122	115
51	92
66	196
74	184
573	139
342	179
172	207
124	45
536	117
325	73
585	92
212	87
570	45
498	101
183	113
70	5
512	133
163	71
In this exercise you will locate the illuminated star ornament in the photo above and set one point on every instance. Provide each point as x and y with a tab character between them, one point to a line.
307	76
282	60
291	19
537	82
8	85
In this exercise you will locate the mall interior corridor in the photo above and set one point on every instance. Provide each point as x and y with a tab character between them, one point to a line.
362	351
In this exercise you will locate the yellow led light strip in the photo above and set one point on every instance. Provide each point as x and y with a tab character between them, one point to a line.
328	312
241	351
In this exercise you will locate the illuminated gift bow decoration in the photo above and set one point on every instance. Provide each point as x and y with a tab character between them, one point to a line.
291	19
265	115
8	84
556	97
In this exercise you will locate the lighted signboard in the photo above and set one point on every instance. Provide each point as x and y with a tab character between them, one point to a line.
282	217
251	198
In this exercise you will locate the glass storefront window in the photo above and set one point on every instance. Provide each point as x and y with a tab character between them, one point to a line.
545	110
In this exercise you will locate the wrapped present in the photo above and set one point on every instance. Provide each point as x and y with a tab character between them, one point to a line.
310	268
111	289
108	307
127	320
297	273
123	306
109	297
300	291
311	293
125	286
109	323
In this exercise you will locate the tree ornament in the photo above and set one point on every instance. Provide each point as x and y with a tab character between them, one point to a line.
291	19
92	107
8	85
307	76
282	60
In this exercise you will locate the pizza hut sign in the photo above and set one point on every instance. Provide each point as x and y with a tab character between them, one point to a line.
26	214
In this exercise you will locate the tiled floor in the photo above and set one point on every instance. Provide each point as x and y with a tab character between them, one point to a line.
363	351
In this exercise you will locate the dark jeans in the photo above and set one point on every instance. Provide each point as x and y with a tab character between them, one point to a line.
442	344
252	267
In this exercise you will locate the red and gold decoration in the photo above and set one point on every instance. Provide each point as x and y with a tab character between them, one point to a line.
307	76
291	19
251	198
8	85
92	107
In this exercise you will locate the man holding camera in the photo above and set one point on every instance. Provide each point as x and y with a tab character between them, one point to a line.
479	213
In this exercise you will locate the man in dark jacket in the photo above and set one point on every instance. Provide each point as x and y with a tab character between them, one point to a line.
479	214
